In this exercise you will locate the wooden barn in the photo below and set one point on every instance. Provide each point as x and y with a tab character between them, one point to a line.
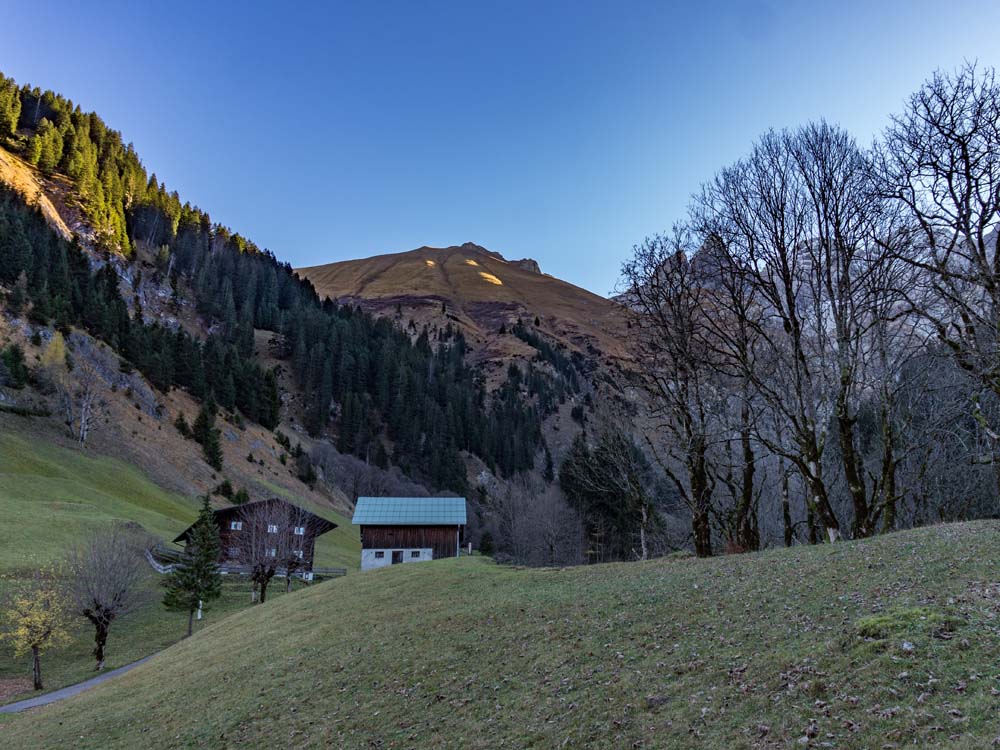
275	528
409	529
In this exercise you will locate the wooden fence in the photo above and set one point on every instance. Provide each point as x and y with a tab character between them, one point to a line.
165	560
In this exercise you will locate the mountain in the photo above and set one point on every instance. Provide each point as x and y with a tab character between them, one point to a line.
481	361
483	294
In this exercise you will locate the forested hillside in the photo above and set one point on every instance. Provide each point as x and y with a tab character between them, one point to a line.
378	392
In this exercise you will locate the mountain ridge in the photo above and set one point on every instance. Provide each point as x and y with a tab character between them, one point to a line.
481	291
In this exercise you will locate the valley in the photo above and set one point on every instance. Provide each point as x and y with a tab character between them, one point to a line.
441	498
744	652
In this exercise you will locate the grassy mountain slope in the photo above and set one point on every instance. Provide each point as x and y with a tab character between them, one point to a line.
885	643
52	496
482	291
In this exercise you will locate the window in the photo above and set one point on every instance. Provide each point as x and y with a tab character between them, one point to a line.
415	553
272	528
297	553
300	531
234	551
273	552
235	525
379	555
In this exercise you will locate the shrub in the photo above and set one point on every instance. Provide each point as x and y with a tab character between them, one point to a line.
486	543
182	426
17	371
225	489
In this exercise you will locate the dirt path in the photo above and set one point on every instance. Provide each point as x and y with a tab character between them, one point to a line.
66	692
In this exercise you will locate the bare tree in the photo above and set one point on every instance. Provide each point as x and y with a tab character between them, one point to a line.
105	579
533	525
940	161
270	542
761	212
80	397
665	298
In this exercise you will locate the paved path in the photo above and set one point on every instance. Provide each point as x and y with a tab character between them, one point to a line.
66	692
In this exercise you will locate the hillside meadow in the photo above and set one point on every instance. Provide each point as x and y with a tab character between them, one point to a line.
890	642
51	497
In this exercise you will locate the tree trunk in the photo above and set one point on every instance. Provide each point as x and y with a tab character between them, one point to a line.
100	641
888	473
820	502
263	591
747	531
36	667
852	473
811	523
700	495
190	622
786	507
702	533
642	532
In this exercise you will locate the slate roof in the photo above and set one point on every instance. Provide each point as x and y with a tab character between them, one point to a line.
410	511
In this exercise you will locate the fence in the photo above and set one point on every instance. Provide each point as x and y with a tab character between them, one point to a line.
165	560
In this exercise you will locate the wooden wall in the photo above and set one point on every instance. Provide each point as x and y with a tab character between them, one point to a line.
442	539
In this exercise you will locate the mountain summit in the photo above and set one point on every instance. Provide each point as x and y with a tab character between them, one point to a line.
477	289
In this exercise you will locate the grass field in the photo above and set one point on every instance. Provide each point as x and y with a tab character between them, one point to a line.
893	642
51	497
150	629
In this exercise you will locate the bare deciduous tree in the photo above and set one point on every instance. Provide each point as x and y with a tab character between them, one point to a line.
940	161
105	575
80	397
668	314
532	524
761	211
270	542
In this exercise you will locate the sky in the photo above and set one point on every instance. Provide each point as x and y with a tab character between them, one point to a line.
561	131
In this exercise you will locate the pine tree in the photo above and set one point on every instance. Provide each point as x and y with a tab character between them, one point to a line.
196	581
207	435
270	413
10	107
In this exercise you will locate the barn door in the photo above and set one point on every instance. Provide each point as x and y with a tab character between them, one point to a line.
397	556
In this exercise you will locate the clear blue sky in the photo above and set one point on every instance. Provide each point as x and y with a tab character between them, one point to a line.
561	131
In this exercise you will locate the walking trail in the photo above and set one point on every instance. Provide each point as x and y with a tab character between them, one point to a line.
66	692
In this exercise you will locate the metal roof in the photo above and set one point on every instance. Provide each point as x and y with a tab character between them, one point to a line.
410	511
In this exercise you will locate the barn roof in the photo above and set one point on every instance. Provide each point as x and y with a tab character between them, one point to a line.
410	511
318	524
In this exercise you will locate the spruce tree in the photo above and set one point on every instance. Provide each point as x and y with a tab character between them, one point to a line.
207	435
196	581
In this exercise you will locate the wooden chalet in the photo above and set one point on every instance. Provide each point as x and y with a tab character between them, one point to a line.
409	529
293	529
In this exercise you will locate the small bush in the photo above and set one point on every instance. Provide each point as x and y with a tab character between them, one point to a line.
182	426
